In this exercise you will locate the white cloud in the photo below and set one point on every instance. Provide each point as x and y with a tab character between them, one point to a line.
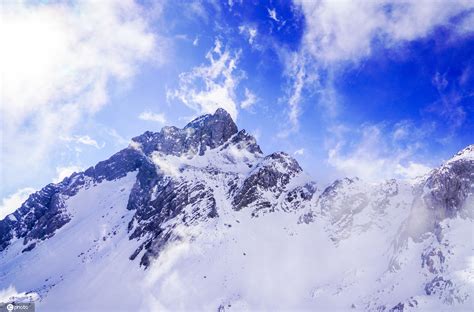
250	99
252	34
14	201
299	152
249	31
195	10
208	87
340	33
82	139
346	30
402	130
87	140
168	165
374	156
150	116
231	3
64	172
295	98
58	60
273	14
448	106
183	37
412	170
296	72
439	81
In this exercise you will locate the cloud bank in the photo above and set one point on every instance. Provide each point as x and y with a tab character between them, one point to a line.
58	61
348	30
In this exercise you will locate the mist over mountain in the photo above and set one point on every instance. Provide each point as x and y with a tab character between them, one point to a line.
199	218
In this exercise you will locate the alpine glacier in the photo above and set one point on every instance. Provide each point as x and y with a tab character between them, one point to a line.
199	219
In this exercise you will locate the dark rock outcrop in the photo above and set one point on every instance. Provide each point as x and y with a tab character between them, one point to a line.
450	185
44	212
203	133
273	174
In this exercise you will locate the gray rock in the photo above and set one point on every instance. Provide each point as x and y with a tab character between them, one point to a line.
449	188
272	174
203	133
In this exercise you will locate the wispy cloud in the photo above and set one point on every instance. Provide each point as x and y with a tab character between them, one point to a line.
295	98
466	27
82	139
150	116
232	3
208	87
412	170
449	107
299	152
273	14
299	79
250	99
249	31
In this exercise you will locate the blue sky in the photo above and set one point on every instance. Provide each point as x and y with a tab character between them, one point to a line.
375	89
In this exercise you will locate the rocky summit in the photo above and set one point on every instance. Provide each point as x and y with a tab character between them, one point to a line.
199	218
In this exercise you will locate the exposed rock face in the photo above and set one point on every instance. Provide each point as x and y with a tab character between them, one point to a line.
451	185
272	175
203	133
446	192
44	212
158	197
300	195
433	260
351	205
37	218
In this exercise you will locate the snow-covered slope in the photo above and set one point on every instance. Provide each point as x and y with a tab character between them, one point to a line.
198	219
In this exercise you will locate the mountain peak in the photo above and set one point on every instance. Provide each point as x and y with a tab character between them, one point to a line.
205	132
208	120
465	154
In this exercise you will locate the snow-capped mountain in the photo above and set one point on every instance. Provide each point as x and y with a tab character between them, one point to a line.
199	219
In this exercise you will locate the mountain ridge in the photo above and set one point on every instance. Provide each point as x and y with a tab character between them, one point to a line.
178	186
